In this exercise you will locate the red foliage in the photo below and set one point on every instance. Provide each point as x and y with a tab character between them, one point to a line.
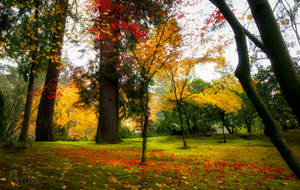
119	18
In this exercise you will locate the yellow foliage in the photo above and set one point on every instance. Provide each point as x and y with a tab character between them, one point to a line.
82	123
65	113
250	16
160	49
222	94
130	123
178	73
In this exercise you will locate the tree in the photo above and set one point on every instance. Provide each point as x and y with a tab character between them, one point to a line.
44	123
13	88
269	90
218	94
25	42
247	115
149	58
202	116
178	73
126	21
281	62
70	120
29	98
77	121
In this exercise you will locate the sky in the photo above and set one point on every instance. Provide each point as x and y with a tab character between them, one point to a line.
196	19
192	22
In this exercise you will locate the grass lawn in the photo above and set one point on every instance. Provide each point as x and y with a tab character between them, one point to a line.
242	163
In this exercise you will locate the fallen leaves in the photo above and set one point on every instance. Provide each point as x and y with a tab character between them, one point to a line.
217	167
178	172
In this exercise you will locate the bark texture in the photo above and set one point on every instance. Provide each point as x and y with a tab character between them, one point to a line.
44	124
179	109
144	102
108	123
28	105
277	51
243	74
30	89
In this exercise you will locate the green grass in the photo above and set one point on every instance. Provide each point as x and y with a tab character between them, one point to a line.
246	162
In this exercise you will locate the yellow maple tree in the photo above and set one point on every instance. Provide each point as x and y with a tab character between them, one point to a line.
80	123
223	94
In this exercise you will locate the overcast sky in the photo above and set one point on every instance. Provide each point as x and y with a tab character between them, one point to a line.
194	20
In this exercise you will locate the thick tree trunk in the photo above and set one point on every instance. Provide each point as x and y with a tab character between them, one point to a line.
108	124
28	105
30	89
243	74
277	52
44	123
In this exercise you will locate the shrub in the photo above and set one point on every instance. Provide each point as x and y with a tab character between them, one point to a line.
125	132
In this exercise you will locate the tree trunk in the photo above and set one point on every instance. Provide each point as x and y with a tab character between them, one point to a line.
44	123
243	74
281	61
28	105
108	124
188	124
249	127
224	122
224	137
194	124
248	123
181	124
30	89
145	109
144	136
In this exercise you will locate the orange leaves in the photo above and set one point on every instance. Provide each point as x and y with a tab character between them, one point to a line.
285	21
250	16
159	50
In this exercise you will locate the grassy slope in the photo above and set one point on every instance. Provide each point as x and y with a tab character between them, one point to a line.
248	162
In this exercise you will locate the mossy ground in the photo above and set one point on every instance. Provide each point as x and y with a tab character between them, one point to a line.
244	162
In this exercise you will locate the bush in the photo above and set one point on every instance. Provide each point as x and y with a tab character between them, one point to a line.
125	132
